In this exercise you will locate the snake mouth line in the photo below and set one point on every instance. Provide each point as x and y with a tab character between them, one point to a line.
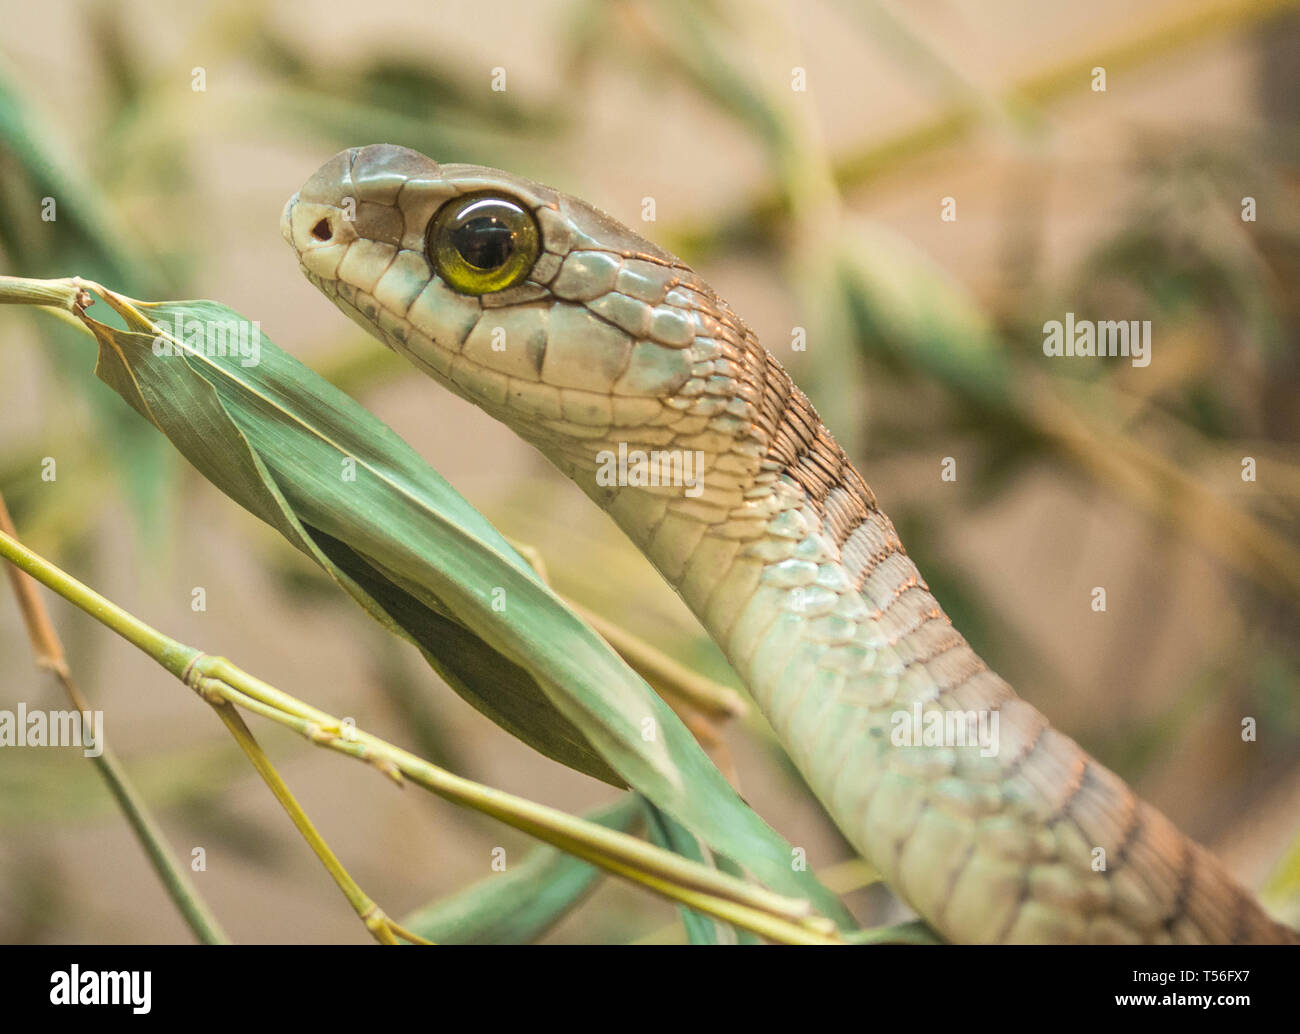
444	362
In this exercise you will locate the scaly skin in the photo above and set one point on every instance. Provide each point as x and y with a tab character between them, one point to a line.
784	556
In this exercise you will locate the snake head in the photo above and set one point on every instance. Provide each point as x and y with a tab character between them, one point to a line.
499	283
577	332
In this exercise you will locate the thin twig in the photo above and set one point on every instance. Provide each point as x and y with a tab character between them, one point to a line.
374	918
50	657
707	890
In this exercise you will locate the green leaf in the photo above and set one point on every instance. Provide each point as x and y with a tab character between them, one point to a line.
673	836
342	487
521	904
913	932
249	430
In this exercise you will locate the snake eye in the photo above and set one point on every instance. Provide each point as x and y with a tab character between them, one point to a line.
483	243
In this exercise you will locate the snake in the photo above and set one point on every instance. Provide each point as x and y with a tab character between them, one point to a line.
592	343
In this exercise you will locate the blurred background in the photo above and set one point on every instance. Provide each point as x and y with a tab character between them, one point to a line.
821	208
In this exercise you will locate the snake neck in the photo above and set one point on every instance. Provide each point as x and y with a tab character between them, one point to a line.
750	487
802	580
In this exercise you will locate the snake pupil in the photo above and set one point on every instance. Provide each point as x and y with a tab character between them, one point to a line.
481	243
485	242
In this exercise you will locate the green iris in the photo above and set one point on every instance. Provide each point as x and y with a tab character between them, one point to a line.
483	243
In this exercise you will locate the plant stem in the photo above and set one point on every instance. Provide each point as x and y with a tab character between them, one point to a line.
50	657
215	678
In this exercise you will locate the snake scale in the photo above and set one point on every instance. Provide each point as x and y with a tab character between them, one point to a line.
584	337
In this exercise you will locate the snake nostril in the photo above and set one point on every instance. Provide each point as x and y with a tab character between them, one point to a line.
322	231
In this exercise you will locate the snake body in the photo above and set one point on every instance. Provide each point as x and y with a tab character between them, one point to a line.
607	341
